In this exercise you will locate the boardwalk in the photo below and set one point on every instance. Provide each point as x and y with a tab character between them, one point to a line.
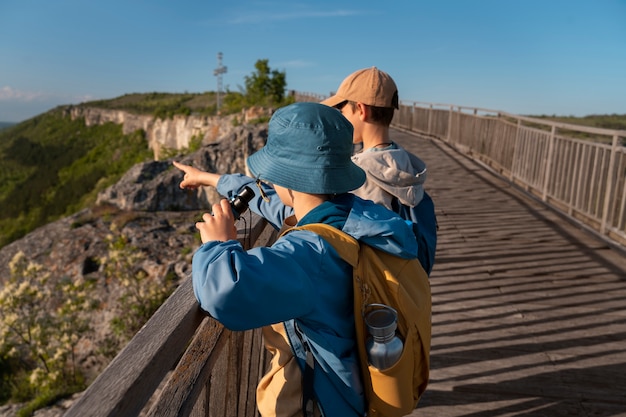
529	311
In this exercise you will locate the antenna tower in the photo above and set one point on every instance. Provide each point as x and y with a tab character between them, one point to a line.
218	73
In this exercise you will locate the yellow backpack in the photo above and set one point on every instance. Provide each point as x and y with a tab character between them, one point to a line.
381	278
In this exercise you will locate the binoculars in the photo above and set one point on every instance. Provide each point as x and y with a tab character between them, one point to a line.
239	203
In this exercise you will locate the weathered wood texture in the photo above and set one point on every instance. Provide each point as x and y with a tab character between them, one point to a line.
529	310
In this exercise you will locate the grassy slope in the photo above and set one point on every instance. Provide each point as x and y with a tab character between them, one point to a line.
606	121
51	166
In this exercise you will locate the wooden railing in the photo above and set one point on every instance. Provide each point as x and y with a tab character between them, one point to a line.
580	171
183	362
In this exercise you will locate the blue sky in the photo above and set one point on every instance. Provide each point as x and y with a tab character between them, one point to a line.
564	57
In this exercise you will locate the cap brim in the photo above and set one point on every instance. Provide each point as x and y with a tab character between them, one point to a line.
333	101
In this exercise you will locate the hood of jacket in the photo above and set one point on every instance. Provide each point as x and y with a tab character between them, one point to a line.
396	171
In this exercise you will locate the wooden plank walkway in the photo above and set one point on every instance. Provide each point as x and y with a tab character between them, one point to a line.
529	311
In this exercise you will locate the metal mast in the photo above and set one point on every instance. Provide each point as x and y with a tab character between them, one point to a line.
218	73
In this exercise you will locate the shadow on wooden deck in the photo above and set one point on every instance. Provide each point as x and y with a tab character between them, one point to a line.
529	310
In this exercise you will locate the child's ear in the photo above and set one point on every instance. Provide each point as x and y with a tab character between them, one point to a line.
364	112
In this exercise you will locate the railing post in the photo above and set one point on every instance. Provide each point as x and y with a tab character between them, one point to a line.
514	163
430	119
609	187
451	112
546	177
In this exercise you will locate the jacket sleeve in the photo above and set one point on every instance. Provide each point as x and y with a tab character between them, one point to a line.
274	211
265	285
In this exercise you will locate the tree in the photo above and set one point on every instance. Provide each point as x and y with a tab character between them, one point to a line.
265	87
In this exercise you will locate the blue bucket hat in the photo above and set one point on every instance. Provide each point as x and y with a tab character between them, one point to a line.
308	149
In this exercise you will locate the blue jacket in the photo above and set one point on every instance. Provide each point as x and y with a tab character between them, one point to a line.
300	277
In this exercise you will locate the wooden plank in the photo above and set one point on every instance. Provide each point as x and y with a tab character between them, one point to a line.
253	353
218	387
233	375
201	407
188	380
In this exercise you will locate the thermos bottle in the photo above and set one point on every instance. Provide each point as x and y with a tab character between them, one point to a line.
383	346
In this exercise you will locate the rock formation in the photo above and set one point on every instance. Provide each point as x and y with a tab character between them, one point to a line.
153	214
168	134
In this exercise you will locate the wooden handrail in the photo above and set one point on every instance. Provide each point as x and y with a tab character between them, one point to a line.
532	153
178	349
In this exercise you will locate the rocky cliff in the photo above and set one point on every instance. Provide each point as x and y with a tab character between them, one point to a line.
150	211
167	134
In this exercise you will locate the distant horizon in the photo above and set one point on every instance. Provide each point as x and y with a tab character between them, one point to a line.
8	123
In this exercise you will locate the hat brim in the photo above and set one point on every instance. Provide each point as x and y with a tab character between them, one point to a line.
333	101
319	180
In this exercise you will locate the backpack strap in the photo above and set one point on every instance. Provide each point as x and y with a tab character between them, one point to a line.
346	246
348	249
304	353
308	394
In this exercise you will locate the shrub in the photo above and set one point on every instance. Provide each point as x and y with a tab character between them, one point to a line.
141	295
42	323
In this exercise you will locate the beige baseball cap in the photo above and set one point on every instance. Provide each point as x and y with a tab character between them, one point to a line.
369	86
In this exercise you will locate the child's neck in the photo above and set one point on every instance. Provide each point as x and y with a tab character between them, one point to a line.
303	203
376	137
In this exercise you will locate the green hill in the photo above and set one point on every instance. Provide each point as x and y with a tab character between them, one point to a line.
162	105
603	121
52	166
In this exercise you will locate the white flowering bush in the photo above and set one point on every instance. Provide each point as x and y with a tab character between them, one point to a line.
141	295
41	323
43	318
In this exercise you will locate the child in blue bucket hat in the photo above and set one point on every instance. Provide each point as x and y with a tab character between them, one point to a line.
300	282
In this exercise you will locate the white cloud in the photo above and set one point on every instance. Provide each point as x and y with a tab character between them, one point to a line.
300	14
8	93
295	64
